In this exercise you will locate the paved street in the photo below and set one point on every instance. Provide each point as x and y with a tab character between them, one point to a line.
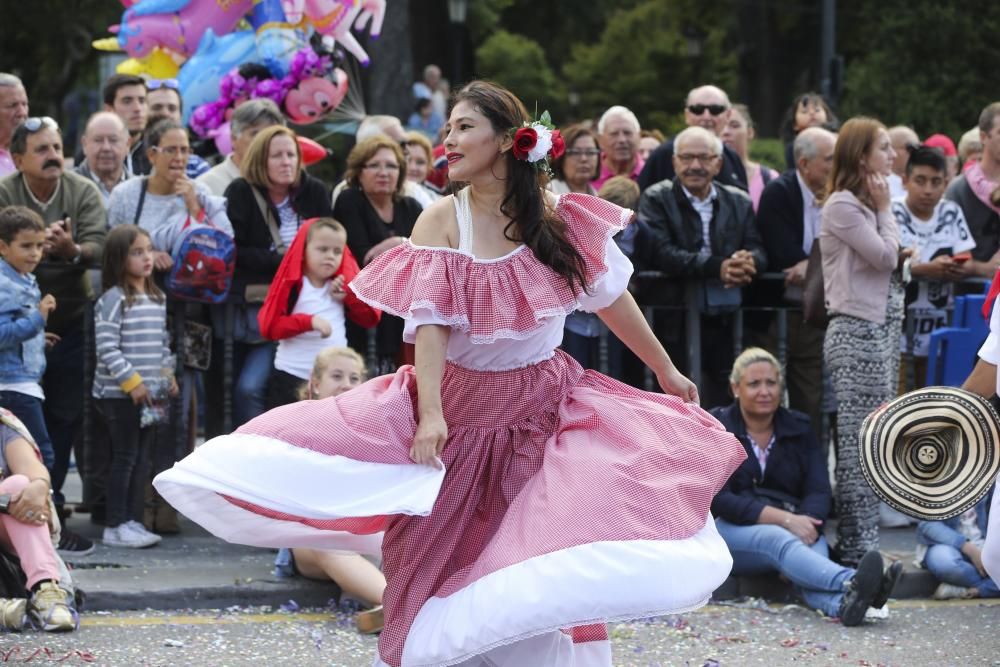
917	634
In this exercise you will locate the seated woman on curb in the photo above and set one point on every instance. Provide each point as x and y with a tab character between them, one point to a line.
771	511
26	529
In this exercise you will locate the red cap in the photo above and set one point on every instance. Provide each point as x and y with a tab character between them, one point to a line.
946	145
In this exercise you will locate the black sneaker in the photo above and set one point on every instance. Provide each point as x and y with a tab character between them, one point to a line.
889	579
73	544
861	589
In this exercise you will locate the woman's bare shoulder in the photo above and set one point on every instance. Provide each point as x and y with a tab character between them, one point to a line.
437	225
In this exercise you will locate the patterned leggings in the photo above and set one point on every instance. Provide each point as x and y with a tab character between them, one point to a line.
863	358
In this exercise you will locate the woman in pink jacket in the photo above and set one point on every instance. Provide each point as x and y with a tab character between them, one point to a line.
860	245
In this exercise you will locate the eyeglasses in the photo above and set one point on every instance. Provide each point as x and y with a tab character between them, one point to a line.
583	152
35	123
687	158
379	166
714	109
156	84
173	151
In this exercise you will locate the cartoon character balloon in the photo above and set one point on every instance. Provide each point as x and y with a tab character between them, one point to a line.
177	25
336	18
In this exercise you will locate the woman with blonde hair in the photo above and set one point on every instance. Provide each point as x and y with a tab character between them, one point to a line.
419	162
266	206
378	217
859	241
772	510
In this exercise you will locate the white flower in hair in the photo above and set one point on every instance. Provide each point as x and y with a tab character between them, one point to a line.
543	145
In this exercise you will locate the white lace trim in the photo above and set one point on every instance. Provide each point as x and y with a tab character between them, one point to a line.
461	322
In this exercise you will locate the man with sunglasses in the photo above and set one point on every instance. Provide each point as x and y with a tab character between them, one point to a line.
76	223
13	110
707	107
164	100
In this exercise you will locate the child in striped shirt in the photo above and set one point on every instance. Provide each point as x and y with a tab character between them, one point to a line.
134	364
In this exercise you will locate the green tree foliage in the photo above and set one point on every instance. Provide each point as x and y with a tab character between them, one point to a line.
649	56
929	65
518	63
47	44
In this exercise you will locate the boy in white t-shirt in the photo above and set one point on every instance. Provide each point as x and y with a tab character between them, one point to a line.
936	227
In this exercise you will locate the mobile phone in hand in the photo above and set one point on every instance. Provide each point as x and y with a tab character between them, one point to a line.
962	257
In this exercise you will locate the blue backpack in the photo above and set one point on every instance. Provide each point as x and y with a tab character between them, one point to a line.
204	261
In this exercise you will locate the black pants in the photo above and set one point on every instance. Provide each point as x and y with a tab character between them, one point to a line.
283	388
131	458
63	383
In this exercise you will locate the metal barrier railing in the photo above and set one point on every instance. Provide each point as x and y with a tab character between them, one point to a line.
689	309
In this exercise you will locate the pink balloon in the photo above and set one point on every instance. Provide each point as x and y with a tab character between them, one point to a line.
223	139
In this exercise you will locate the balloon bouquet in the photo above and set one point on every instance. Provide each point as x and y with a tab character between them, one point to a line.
225	53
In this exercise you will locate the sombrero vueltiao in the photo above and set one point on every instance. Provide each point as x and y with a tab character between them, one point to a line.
932	453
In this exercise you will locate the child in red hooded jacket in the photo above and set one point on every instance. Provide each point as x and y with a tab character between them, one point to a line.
308	303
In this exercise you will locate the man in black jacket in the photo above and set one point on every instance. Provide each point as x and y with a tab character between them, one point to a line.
788	218
695	229
707	107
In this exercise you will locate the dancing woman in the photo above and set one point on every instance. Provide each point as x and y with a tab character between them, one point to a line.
524	501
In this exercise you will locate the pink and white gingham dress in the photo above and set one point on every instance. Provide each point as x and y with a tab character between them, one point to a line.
568	498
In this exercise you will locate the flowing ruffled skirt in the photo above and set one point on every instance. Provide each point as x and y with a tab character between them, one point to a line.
568	499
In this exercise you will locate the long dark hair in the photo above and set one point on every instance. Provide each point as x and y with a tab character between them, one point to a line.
116	251
531	222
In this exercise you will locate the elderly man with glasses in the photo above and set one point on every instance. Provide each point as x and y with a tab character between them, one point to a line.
697	229
76	223
707	107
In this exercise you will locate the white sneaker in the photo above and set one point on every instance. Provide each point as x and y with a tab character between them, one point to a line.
137	527
950	592
124	536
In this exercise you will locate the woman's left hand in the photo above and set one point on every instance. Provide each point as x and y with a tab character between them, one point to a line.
674	382
31	505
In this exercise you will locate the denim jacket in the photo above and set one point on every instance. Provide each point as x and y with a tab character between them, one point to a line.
22	328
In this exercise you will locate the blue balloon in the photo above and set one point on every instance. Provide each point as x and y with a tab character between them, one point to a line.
277	40
199	77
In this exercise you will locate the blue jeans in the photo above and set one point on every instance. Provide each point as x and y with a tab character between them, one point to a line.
951	566
29	410
250	392
764	548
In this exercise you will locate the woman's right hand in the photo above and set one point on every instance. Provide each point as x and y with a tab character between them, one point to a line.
428	442
878	190
803	527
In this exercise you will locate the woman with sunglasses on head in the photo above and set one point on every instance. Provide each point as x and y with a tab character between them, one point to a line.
166	200
378	217
523	500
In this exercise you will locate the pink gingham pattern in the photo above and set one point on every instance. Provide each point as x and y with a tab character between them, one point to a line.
491	300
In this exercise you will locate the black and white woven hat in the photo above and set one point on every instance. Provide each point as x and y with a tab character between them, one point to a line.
932	453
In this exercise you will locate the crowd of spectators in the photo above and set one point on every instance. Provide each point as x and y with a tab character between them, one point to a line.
867	205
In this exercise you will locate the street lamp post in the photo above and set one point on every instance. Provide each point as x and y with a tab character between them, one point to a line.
458	11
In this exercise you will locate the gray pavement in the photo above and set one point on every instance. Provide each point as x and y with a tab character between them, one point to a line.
194	570
916	634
